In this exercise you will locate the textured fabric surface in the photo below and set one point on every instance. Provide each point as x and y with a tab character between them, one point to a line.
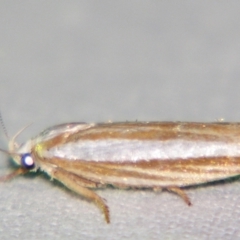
93	61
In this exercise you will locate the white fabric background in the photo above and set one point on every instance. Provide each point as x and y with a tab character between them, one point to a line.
94	61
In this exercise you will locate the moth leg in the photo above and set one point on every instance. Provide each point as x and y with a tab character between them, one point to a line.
13	174
157	189
180	193
73	182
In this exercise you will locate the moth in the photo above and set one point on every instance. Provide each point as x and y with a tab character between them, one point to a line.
139	155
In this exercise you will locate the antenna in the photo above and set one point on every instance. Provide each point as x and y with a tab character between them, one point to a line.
12	145
3	126
6	134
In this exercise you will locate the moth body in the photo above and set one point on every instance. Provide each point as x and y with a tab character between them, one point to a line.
168	155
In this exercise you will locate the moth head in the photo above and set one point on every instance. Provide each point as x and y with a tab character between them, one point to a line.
21	155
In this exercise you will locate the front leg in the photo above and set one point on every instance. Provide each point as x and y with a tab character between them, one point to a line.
80	186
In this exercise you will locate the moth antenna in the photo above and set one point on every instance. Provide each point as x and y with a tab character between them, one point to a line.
8	138
19	132
12	142
9	153
3	127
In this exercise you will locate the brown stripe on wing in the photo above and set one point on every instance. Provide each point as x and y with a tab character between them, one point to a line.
160	131
154	173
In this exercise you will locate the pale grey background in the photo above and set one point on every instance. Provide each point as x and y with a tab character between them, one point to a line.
64	61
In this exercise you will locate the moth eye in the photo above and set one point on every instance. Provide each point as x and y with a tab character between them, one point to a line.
27	161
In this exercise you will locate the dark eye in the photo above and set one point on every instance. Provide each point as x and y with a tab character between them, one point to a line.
27	161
